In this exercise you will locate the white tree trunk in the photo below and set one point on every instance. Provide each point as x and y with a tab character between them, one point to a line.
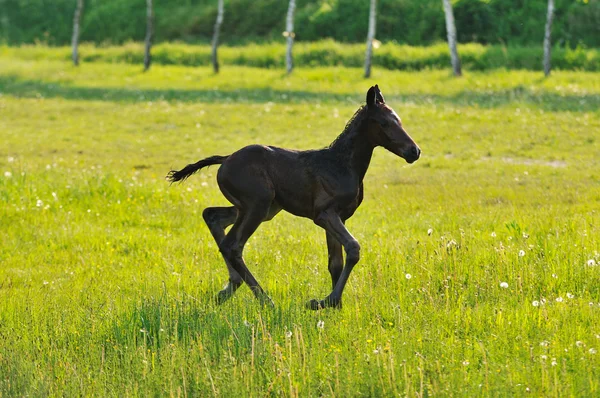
289	29
547	42
370	37
451	34
75	38
215	40
149	32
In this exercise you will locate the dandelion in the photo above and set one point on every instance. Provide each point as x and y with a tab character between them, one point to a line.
465	363
39	203
579	343
7	174
559	299
375	352
525	236
535	303
204	183
569	295
321	324
288	334
521	253
408	276
451	243
10	159
45	282
247	324
592	351
504	285
493	234
591	262
543	301
554	363
543	357
555	276
429	231
591	303
544	343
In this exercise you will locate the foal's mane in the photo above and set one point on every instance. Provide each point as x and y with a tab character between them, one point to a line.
351	125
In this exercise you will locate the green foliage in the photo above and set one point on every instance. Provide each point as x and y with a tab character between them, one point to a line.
327	53
510	22
107	273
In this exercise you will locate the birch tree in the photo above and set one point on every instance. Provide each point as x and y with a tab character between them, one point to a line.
75	38
149	33
215	39
289	33
370	37
547	42
451	34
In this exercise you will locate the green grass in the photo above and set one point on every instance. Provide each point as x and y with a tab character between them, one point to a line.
390	55
107	273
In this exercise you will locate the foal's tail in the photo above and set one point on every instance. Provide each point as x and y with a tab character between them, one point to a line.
183	174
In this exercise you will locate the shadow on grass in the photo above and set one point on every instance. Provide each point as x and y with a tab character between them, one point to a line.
20	88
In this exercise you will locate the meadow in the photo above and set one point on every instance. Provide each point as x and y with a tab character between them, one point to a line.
479	273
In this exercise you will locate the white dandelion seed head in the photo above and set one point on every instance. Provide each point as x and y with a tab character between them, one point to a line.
543	301
554	363
247	324
592	351
521	253
429	231
321	324
591	262
555	276
493	234
504	285
543	357
465	363
451	243
525	236
10	159
408	276
7	174
535	303
39	203
544	343
569	295
559	299
288	334
375	352
579	343
591	303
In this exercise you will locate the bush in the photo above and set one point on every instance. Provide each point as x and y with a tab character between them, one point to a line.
509	22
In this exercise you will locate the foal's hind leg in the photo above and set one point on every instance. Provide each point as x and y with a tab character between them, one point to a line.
335	260
217	219
232	246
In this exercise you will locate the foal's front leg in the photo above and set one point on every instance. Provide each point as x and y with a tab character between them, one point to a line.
332	223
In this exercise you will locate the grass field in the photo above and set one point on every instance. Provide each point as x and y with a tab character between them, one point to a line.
479	273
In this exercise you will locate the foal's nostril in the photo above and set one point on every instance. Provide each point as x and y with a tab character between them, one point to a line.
416	152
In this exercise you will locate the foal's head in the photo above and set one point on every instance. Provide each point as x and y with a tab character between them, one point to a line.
385	128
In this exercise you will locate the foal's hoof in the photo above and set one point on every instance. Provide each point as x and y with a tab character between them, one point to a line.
316	305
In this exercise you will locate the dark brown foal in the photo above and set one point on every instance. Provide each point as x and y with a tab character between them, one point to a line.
325	185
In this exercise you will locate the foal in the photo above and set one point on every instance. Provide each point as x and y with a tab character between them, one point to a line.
325	185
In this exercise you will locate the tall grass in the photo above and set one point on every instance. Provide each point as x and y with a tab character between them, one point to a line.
328	53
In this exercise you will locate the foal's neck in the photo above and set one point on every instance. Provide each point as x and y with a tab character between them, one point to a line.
353	144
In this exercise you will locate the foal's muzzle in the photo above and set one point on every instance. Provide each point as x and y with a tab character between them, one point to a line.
412	154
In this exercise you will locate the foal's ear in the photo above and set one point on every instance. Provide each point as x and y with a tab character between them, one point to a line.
378	96
371	97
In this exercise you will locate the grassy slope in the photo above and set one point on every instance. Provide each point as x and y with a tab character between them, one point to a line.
107	272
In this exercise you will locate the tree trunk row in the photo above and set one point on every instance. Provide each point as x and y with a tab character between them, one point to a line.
289	34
